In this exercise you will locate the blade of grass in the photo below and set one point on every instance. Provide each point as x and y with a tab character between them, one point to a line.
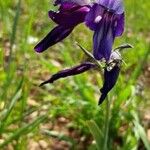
59	136
134	76
140	131
26	113
10	106
96	132
12	41
139	67
24	130
14	30
7	83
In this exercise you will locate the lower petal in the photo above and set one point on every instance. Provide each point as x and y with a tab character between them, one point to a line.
110	79
70	72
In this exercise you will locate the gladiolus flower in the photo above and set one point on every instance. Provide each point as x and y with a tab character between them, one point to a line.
104	17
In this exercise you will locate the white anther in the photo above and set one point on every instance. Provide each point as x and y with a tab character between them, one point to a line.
98	19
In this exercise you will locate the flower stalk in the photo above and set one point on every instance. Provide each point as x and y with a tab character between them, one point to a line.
106	128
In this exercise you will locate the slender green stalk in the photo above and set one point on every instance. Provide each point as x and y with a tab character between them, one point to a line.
11	69
14	30
106	129
9	107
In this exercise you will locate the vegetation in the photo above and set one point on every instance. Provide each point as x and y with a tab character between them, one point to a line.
65	115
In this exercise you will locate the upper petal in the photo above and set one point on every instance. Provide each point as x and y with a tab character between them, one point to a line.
94	16
69	17
114	5
54	36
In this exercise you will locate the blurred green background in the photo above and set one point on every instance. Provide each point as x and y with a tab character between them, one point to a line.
58	116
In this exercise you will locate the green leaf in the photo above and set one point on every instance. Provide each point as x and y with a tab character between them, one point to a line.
140	131
6	112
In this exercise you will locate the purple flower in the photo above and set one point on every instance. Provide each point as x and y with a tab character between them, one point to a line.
104	17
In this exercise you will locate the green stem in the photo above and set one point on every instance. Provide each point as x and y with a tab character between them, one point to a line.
14	30
106	129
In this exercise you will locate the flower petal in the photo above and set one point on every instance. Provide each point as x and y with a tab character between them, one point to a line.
114	5
110	79
71	17
103	40
70	72
119	29
54	36
67	6
94	16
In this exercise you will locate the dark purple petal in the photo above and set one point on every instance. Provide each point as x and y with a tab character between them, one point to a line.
57	2
70	72
54	36
69	17
110	79
119	28
103	38
94	16
67	6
